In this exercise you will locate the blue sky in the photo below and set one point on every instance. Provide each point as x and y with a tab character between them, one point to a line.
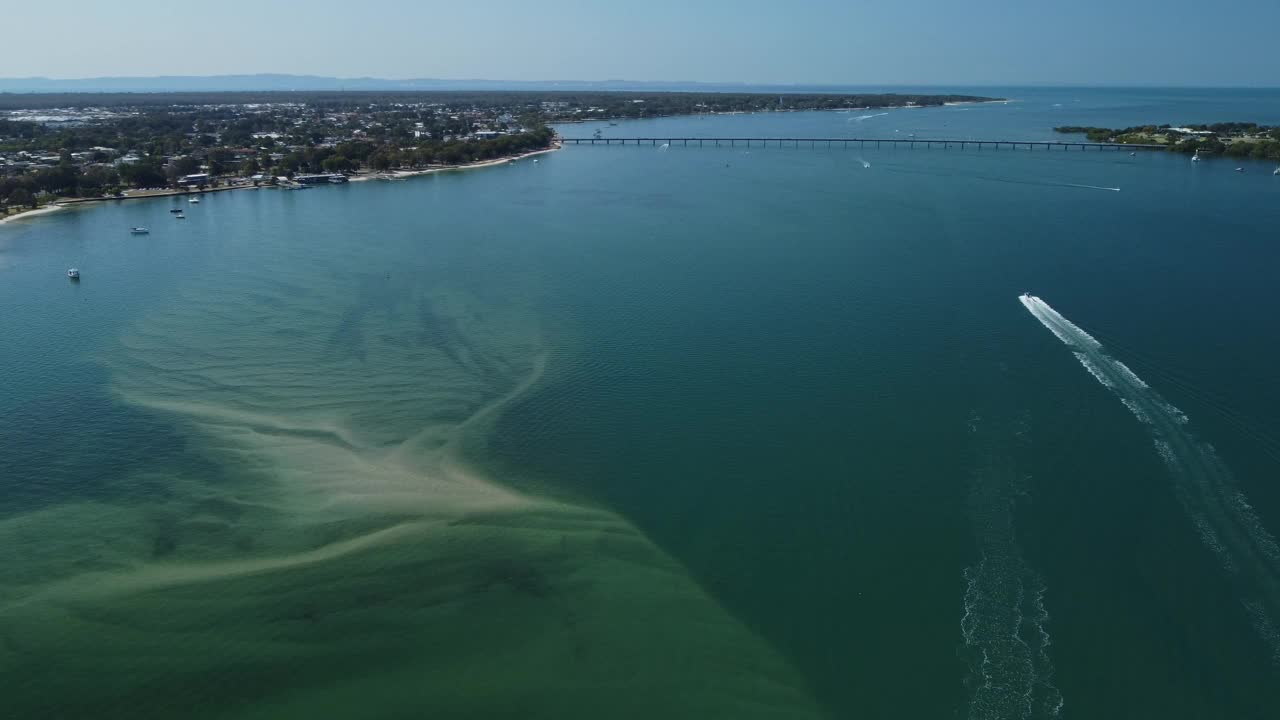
1175	42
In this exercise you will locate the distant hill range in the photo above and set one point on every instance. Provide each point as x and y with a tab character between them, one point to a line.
312	83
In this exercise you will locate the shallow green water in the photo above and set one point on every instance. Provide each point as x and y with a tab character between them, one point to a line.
643	432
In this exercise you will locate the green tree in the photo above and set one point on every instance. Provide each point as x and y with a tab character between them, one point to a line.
96	179
180	166
58	180
250	167
21	197
337	164
143	174
220	159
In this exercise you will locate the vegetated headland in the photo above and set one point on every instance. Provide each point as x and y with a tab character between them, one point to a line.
59	146
1234	139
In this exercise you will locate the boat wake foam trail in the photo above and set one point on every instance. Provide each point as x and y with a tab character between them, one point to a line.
1088	187
1005	623
1226	522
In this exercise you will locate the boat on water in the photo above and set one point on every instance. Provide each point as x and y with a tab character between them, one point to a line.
179	216
1276	171
139	230
1239	169
1196	157
175	210
73	273
194	200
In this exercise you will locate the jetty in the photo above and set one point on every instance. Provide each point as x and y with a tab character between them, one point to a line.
908	142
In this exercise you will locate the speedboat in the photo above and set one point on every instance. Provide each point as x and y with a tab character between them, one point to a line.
73	273
139	231
1239	169
194	200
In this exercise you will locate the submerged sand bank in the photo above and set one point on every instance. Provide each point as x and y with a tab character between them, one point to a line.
349	559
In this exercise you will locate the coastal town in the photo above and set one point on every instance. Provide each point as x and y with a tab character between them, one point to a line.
79	147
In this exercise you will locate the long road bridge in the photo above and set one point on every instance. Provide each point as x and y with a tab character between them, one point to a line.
857	142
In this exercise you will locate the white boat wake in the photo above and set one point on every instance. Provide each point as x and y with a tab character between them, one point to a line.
1090	187
1227	524
1005	623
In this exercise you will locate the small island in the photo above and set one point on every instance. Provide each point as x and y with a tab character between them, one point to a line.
1233	139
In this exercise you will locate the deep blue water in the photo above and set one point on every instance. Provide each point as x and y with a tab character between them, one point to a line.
806	452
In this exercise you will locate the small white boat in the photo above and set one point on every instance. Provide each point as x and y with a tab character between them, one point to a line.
139	231
535	159
1195	158
179	216
1276	171
194	200
73	273
1239	169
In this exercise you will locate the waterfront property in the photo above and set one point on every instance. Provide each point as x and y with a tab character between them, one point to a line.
320	179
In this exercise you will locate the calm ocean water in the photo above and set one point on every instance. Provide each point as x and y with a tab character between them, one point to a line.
642	432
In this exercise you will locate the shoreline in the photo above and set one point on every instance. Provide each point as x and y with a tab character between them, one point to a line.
50	208
403	174
393	175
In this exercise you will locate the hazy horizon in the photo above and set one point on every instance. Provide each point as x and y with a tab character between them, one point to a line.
820	43
310	82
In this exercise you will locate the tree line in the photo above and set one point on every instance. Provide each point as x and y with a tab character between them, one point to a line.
1262	141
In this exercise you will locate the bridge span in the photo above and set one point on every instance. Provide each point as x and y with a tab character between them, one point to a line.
858	142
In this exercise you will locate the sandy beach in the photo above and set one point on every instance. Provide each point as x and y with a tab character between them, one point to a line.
402	174
32	213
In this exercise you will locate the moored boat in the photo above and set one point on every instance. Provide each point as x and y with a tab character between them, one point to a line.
139	230
73	273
